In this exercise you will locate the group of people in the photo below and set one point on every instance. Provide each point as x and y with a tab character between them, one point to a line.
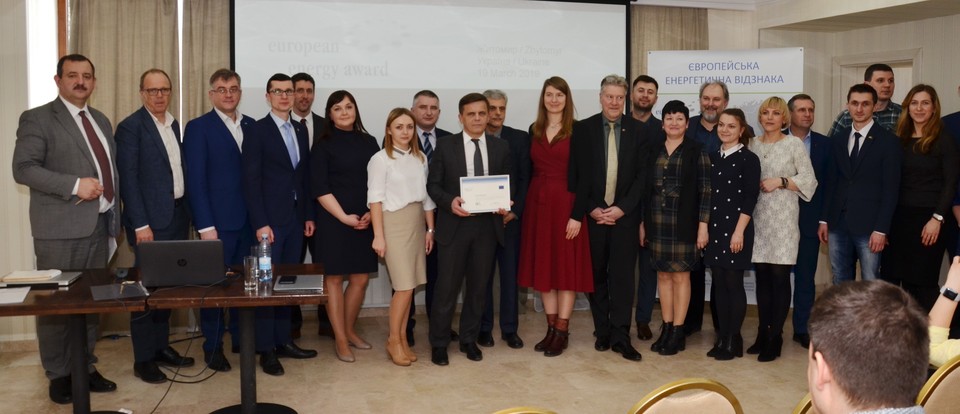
589	199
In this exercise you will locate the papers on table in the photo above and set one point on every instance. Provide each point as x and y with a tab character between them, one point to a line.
13	295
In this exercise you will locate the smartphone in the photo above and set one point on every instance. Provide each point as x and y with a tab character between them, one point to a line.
287	279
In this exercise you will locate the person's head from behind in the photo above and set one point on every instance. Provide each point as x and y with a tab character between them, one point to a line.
869	348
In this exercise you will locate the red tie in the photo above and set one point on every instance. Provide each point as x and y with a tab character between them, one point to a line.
100	155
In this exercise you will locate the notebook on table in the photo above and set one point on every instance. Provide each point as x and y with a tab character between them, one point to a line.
39	278
299	283
181	263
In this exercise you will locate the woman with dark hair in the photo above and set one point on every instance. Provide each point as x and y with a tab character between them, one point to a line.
675	221
554	247
339	179
735	172
922	221
399	208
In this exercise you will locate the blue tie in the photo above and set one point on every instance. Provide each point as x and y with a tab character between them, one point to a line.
288	138
427	147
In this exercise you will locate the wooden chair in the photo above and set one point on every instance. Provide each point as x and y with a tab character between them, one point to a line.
940	393
525	410
805	406
690	395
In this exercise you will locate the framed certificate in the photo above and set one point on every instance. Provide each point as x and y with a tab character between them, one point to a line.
485	194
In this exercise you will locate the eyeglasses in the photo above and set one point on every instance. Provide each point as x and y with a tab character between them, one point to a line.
284	92
223	91
157	91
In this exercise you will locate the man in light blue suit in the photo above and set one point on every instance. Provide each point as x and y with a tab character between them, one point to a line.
211	149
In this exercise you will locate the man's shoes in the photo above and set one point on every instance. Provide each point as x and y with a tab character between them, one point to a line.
325	331
60	391
602	344
513	340
485	339
149	372
271	364
627	351
216	361
802	339
643	331
438	355
171	357
291	350
472	350
100	384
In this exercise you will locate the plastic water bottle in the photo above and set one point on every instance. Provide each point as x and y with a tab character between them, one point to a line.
263	259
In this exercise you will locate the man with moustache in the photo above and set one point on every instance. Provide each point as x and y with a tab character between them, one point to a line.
886	113
154	208
67	162
608	149
276	190
508	255
643	97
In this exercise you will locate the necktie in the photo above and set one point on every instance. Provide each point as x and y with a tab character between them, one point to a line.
856	146
291	143
612	164
477	159
303	121
427	146
101	155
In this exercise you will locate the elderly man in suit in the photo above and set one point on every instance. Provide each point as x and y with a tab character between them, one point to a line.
67	162
863	181
154	208
468	241
609	149
211	149
276	165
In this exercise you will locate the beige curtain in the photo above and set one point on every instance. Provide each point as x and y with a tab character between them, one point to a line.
206	48
665	28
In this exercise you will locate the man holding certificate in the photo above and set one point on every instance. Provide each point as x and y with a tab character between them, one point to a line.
470	183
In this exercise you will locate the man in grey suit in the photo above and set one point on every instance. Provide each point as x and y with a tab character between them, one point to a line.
66	160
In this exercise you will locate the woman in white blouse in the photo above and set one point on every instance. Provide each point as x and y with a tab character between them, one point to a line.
785	174
399	207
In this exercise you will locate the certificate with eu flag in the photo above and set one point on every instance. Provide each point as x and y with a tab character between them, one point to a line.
485	194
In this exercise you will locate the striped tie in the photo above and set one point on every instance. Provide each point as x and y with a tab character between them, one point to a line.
427	147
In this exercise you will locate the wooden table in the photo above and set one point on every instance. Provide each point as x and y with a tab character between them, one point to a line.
231	294
76	302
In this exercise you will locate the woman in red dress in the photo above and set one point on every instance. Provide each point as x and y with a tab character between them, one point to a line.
554	248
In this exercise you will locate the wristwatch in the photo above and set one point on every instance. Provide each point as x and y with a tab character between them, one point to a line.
950	294
938	217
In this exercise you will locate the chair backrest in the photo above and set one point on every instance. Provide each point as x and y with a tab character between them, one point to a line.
940	393
689	395
805	406
525	410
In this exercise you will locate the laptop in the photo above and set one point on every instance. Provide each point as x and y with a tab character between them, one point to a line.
299	283
64	279
181	262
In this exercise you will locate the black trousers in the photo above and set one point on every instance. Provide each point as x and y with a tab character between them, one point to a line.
613	250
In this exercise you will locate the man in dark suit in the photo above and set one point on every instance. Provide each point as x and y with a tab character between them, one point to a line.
302	113
468	241
818	147
608	148
66	161
426	113
863	181
152	191
211	149
643	97
508	255
276	189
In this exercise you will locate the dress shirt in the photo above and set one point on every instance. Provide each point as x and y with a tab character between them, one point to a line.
606	133
398	181
805	139
233	126
726	153
173	151
469	149
309	123
75	113
863	136
433	137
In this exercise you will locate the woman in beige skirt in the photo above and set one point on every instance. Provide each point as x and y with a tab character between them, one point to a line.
399	207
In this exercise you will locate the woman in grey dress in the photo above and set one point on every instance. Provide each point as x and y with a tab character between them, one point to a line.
785	174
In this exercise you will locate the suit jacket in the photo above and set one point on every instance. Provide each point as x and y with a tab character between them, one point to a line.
51	153
146	178
276	192
443	181
214	179
820	156
319	126
587	158
866	188
520	153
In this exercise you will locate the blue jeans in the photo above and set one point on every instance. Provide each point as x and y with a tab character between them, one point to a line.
845	250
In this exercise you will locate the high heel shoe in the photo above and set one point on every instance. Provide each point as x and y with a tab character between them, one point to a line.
760	343
724	350
676	341
560	339
657	346
396	354
772	349
360	344
551	331
345	357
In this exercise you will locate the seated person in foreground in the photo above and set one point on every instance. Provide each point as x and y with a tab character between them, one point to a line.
941	348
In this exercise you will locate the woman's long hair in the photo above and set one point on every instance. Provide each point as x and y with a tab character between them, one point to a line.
930	131
388	137
539	127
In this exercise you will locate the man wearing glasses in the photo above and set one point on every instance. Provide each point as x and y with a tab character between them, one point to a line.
152	190
276	165
211	150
